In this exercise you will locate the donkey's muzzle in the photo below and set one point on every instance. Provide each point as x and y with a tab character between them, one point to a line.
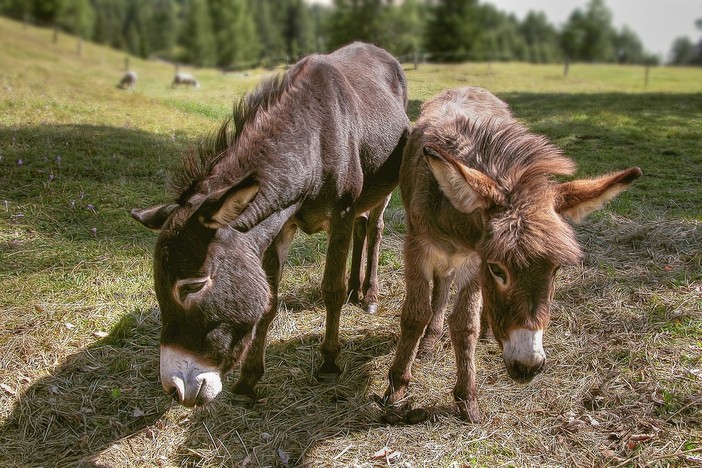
188	378
524	354
524	372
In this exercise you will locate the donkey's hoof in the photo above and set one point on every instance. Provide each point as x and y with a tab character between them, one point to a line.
372	308
416	416
469	411
245	400
328	377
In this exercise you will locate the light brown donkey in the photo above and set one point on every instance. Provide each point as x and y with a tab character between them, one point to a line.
484	212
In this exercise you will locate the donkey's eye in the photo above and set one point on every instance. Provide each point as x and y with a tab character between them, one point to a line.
498	272
190	286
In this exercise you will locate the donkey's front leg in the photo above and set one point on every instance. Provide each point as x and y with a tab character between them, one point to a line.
416	313
464	326
254	365
334	292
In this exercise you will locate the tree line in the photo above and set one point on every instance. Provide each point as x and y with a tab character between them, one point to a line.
246	33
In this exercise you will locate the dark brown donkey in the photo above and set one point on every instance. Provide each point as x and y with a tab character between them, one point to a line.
483	212
312	149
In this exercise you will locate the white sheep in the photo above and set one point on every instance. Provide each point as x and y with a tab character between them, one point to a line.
185	79
128	81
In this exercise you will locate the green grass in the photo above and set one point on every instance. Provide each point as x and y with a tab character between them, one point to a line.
79	321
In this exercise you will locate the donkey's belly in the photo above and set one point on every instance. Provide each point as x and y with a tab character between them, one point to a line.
311	222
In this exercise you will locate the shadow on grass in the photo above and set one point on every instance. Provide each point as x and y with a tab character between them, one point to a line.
109	393
604	132
294	412
67	190
106	392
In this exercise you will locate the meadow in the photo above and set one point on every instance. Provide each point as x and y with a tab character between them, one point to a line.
79	322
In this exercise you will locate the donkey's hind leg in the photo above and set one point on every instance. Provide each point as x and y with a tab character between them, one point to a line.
376	224
253	366
356	274
435	328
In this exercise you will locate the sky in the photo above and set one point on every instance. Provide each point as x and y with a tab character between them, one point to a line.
657	22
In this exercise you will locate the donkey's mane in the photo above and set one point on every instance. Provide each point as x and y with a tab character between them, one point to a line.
187	177
522	164
508	152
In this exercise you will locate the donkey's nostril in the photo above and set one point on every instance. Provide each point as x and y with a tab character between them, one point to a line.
177	388
522	372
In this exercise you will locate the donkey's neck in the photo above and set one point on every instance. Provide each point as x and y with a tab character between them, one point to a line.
261	236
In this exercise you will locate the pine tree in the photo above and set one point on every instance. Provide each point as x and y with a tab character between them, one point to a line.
452	29
198	37
237	40
270	35
109	22
405	27
357	20
163	30
541	38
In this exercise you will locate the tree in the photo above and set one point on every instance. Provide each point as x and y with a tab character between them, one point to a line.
588	35
136	27
297	29
541	38
499	39
628	47
683	51
405	28
452	29
109	22
197	36
269	33
234	30
163	29
78	17
356	20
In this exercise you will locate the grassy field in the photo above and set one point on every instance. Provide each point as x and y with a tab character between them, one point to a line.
79	323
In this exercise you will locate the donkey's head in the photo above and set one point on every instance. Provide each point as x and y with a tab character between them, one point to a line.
525	238
211	289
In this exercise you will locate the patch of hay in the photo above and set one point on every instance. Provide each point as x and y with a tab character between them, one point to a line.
622	386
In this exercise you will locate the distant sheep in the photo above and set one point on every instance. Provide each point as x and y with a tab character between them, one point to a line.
185	79
128	81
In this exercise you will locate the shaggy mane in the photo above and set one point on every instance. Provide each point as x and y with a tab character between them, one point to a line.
523	165
187	177
505	150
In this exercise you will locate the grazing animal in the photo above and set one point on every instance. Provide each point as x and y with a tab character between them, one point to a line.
128	81
367	233
185	79
312	149
483	212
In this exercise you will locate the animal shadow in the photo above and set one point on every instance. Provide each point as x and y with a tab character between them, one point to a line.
106	392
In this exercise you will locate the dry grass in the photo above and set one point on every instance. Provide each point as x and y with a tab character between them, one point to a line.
623	385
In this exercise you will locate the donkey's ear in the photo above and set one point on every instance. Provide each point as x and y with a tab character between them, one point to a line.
154	217
579	198
224	208
467	189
